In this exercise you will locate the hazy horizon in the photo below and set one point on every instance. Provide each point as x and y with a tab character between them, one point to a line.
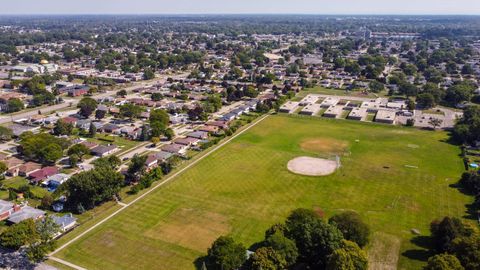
245	7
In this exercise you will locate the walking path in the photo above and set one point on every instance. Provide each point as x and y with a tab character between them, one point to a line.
146	193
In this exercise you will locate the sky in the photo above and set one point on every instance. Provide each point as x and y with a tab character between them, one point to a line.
443	7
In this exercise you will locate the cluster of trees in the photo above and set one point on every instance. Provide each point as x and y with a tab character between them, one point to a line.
36	236
304	239
456	245
159	121
88	189
467	129
87	106
212	104
235	93
43	147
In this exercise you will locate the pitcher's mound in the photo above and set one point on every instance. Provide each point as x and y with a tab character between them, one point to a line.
312	166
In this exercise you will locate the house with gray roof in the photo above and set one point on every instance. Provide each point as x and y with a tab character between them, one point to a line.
25	213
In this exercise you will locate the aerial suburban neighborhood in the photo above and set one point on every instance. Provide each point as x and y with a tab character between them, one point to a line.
239	141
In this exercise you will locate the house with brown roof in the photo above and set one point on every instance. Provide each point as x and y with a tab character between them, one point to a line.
209	129
13	165
188	141
175	149
42	174
28	168
89	145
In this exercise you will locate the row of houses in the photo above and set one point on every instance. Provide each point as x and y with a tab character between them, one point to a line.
15	213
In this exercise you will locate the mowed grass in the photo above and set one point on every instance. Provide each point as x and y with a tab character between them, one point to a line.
244	188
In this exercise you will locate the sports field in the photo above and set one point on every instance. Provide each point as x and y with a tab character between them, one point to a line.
396	178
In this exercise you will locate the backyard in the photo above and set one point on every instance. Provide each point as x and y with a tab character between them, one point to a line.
397	178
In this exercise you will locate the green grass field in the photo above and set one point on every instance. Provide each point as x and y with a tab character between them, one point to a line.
244	188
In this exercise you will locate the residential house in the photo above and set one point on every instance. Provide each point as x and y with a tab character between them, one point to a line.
26	212
28	168
188	141
111	128
7	208
162	155
65	223
201	135
13	165
104	150
42	174
175	149
89	145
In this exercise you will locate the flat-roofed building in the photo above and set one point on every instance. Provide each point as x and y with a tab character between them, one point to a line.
289	107
333	112
309	99
329	102
386	116
359	114
311	109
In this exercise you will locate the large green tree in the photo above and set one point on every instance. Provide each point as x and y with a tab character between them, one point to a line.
226	254
87	189
352	227
348	257
443	262
87	106
314	238
20	234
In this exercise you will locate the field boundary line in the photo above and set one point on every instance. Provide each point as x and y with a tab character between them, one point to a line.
74	266
168	179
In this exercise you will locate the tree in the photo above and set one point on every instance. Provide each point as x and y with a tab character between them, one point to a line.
62	128
6	134
157	128
145	134
446	230
467	129
159	116
314	238
426	100
100	114
169	133
467	69
90	188
148	74
87	106
156	96
443	262
92	130
111	162
467	250
3	169
130	111
226	254
19	235
14	105
137	167
46	229
266	258
352	227
459	93
435	122
376	86
348	257
283	246
47	201
79	150
122	93
197	113
73	160
51	153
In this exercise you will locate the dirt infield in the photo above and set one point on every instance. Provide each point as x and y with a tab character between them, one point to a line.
312	166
